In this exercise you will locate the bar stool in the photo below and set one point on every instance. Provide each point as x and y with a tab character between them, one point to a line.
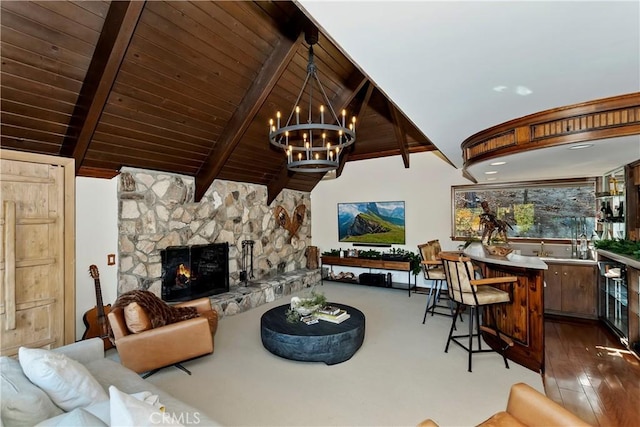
474	294
432	269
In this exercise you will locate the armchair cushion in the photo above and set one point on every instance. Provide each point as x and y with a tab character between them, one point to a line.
136	318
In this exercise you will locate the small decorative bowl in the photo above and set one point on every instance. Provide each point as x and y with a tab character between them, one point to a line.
303	310
501	251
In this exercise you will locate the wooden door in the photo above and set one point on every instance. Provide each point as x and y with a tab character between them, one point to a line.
553	288
37	291
579	290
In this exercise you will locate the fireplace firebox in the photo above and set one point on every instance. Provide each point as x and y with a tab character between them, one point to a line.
190	272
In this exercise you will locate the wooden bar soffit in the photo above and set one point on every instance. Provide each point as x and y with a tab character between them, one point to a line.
588	121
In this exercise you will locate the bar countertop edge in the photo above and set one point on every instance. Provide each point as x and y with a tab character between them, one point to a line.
476	252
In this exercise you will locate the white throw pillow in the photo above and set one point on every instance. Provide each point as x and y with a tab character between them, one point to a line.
22	404
67	382
127	411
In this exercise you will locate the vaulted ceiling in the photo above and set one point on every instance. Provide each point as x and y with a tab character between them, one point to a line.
178	86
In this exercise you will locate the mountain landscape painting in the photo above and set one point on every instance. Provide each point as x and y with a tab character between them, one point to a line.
371	222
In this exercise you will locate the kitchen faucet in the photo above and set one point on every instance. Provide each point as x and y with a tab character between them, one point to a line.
542	253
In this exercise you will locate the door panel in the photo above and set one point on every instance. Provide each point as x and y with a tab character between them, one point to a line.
553	290
36	193
579	290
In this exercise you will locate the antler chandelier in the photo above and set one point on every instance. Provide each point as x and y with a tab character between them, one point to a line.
312	146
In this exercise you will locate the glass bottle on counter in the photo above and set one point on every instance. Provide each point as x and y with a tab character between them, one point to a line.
603	211
620	209
583	249
608	212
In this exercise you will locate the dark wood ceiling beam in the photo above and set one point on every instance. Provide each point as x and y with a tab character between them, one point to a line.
262	86
280	181
117	31
401	136
375	155
361	113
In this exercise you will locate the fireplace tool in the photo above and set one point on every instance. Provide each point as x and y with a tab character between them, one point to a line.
247	253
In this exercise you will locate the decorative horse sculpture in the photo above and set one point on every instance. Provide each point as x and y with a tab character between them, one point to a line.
492	225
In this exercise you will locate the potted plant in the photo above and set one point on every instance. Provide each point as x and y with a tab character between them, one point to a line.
625	247
305	305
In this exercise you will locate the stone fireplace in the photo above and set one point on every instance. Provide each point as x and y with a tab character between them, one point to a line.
157	211
190	272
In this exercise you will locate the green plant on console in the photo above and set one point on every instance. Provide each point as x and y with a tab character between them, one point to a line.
619	246
370	254
331	252
416	263
413	258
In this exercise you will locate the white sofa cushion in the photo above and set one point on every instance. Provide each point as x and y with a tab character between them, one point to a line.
23	404
79	417
108	372
67	382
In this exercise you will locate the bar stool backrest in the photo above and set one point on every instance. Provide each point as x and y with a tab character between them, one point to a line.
459	272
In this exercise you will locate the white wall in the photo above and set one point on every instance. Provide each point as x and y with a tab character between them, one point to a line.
96	236
425	187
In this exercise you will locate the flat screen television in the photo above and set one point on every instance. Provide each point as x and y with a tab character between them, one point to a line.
379	223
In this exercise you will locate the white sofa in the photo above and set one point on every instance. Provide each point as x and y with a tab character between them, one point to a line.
25	404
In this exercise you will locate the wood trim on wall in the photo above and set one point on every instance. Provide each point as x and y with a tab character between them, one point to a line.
632	196
588	121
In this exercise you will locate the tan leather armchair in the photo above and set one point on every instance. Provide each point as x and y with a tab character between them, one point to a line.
528	407
153	349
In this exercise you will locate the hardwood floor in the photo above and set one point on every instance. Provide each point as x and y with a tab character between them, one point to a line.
591	374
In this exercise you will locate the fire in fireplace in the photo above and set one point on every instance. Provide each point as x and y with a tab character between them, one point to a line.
190	272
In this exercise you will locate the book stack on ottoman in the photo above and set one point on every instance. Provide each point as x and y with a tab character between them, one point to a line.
333	314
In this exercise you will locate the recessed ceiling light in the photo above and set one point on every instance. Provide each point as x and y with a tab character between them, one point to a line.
580	146
492	179
490	172
498	163
500	88
523	91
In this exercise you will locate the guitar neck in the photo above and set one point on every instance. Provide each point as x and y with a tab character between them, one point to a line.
99	304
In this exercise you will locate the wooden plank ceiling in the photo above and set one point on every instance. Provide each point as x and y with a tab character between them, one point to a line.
178	86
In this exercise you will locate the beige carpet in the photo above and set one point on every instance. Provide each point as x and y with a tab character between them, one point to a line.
399	376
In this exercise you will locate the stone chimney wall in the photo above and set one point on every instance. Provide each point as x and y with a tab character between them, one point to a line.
157	210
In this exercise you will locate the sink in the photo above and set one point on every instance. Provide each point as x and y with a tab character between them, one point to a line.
569	260
550	257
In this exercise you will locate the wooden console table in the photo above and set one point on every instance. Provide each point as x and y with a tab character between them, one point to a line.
369	263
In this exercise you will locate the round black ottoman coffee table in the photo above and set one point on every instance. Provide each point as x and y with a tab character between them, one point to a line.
321	342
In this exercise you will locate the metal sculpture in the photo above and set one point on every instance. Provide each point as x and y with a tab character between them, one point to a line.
491	224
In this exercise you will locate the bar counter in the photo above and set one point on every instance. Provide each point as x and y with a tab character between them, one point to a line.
523	318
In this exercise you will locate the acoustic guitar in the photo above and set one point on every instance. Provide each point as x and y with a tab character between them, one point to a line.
96	319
